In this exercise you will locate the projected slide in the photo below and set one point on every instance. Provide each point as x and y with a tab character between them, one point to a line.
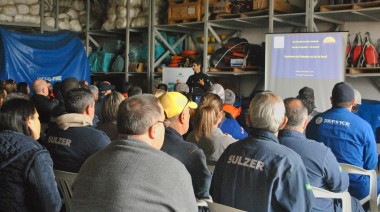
307	55
295	60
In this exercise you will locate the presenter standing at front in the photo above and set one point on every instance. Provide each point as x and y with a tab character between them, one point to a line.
198	82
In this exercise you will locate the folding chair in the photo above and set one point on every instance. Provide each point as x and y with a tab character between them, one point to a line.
344	196
372	196
64	181
211	168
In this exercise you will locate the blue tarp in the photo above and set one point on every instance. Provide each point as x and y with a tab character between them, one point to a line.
49	56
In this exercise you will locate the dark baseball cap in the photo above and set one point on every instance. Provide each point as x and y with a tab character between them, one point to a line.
343	92
105	85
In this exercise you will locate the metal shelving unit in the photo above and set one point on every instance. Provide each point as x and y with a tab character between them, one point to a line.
339	17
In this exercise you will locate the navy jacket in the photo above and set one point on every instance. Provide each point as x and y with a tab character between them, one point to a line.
70	148
352	141
27	180
192	157
259	174
323	169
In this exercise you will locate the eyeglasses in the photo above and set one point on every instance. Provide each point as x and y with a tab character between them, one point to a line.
165	122
185	106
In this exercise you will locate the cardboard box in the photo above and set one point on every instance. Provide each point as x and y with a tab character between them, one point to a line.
279	5
188	11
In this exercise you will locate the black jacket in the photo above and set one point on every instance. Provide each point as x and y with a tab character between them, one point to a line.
193	82
44	106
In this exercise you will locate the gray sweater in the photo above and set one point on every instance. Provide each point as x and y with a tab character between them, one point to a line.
213	147
129	175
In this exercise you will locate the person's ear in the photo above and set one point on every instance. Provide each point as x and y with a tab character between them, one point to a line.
182	118
89	108
331	100
353	102
282	126
248	121
152	131
305	123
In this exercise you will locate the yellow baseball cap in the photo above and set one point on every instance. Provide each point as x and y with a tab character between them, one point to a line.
174	103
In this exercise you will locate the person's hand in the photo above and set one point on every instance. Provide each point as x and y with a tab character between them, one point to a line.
228	135
201	82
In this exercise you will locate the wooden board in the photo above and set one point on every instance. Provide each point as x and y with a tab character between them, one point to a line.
279	5
363	70
236	69
366	5
355	6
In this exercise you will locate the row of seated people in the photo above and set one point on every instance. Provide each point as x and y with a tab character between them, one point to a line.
132	170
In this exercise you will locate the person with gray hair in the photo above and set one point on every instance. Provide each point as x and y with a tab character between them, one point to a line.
181	87
323	169
229	102
258	173
132	174
73	139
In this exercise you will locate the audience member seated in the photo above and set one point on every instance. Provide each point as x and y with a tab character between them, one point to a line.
349	137
185	90
306	94
229	102
95	91
27	181
181	87
109	114
105	88
41	100
132	174
228	125
83	84
158	93
73	140
162	86
206	133
10	85
358	101
134	91
50	87
125	88
57	91
177	110
23	87
323	169
67	85
3	95
258	173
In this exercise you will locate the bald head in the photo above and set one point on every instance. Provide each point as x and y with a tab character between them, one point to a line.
40	87
296	112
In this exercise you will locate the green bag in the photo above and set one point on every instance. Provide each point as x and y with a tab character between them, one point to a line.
118	65
100	61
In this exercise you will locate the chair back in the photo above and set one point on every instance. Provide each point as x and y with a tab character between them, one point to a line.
344	196
216	207
64	181
372	196
211	168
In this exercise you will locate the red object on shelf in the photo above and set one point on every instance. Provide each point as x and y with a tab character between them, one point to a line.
189	52
173	65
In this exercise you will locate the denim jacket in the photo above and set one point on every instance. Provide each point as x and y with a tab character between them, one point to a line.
27	181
